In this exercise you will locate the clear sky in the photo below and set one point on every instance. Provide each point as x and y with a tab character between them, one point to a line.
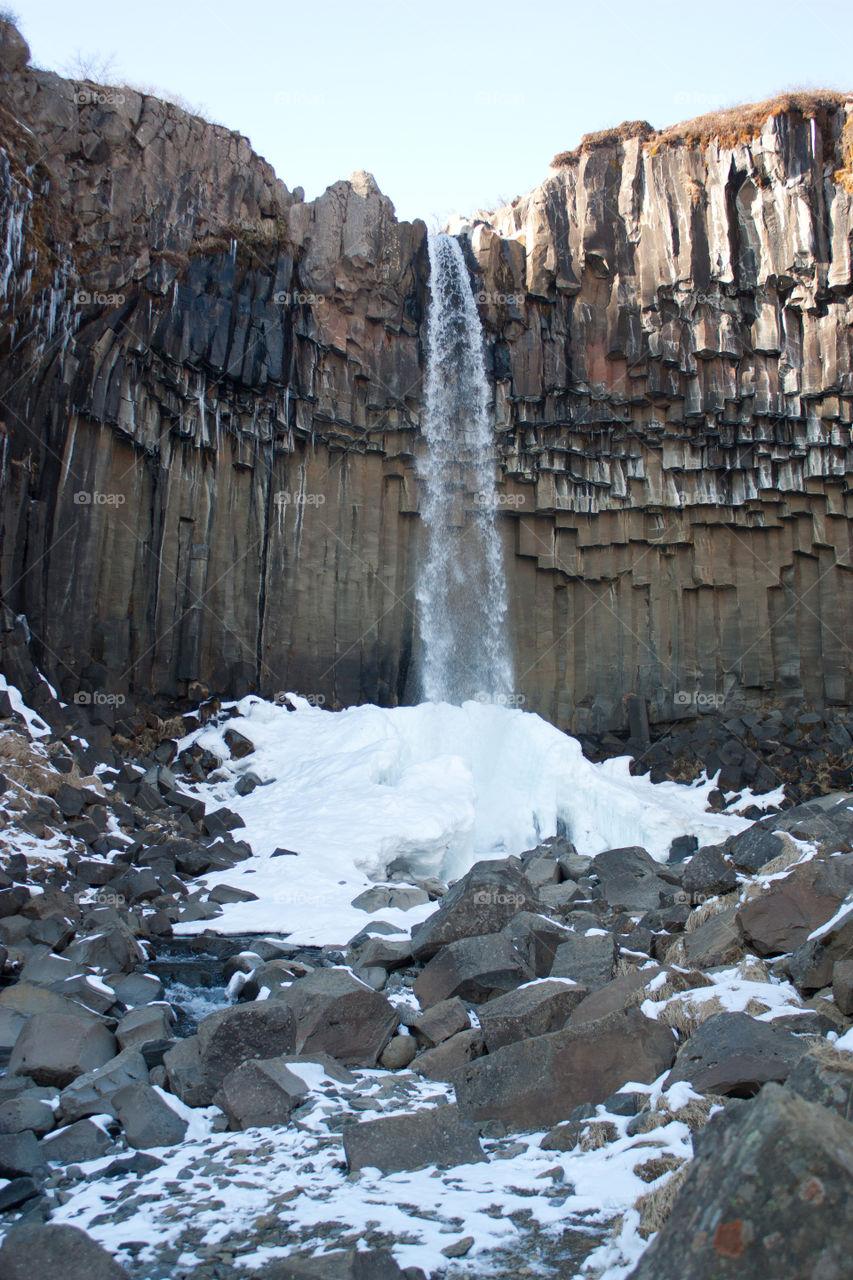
451	106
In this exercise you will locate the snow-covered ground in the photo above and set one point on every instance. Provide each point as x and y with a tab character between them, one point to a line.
436	786
264	1192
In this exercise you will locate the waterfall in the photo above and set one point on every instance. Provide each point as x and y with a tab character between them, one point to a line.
461	591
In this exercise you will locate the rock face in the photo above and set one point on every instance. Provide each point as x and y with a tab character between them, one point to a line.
742	1211
211	412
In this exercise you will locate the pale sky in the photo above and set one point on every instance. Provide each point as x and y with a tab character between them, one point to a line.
452	107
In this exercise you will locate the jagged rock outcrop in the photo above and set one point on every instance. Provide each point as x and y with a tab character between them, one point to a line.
211	394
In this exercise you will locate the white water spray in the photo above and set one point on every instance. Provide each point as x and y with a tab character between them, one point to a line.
462	593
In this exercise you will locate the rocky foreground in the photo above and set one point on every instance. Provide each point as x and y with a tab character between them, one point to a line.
571	1057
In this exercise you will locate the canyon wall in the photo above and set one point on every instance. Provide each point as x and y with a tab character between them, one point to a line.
210	393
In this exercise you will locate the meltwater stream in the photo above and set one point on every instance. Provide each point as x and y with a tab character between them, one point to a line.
461	593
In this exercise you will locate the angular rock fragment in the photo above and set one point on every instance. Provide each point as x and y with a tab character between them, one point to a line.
439	1136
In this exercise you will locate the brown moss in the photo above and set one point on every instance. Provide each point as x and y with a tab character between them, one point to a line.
730	126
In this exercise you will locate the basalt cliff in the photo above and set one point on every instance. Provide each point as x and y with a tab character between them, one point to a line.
211	390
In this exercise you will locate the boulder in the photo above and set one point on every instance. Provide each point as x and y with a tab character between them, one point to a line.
231	1036
614	997
55	1249
398	1053
115	950
629	879
587	958
185	1074
786	911
260	1092
532	1010
144	1025
21	1155
436	1136
31	1109
473	968
53	1049
717	941
535	1083
537	938
734	1055
769	1193
825	1075
146	1117
83	1140
707	873
442	1062
753	848
441	1021
842	986
482	902
336	1013
90	1094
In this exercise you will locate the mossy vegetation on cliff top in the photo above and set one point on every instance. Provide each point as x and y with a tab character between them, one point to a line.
735	124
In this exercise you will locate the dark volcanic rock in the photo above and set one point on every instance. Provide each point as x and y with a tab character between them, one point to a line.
54	1249
586	958
535	1083
230	1036
55	1048
260	1092
769	1193
474	968
629	880
147	1120
532	1010
825	1075
482	902
439	1136
336	1013
733	1054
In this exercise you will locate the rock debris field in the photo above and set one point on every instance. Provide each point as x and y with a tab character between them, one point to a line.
563	1063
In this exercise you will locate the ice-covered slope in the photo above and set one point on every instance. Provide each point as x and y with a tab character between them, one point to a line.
438	786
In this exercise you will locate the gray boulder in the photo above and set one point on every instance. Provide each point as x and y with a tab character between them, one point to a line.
55	1048
537	938
31	1109
438	1136
532	1010
76	1143
482	902
442	1062
146	1118
21	1155
707	873
90	1094
734	1055
769	1193
629	879
586	958
54	1249
144	1025
753	848
615	996
473	968
441	1021
716	941
260	1092
825	1075
535	1083
231	1036
185	1074
336	1013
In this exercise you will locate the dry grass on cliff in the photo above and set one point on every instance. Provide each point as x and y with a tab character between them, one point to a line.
735	124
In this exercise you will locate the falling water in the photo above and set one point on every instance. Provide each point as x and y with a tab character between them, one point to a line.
462	594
